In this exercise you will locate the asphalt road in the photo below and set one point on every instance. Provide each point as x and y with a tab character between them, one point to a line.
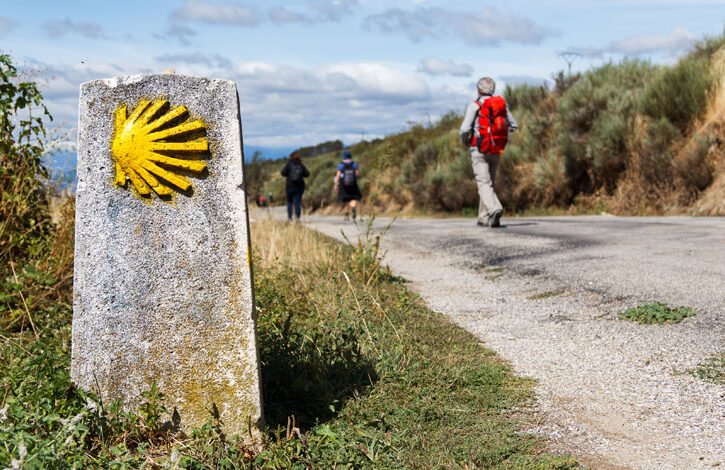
544	293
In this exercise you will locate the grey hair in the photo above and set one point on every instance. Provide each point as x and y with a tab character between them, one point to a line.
486	86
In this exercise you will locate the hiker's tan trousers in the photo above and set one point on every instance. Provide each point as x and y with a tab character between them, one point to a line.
484	167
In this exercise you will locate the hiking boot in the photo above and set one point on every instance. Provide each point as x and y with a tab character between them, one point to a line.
481	224
346	217
495	220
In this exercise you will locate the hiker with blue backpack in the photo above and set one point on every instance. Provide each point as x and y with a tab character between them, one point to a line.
346	187
485	130
295	172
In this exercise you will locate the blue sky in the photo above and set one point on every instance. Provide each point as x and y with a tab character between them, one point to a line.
319	70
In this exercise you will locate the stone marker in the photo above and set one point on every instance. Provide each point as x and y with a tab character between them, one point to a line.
163	284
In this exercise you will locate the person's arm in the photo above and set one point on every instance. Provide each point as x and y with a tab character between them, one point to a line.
305	171
337	180
513	125
357	171
467	124
285	170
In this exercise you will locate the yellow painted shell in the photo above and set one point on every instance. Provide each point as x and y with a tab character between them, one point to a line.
149	152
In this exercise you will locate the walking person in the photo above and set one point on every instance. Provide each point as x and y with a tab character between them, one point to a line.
346	187
295	172
485	129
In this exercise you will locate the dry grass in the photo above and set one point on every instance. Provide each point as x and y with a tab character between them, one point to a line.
716	105
712	201
280	247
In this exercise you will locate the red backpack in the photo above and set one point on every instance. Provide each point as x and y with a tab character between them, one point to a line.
493	126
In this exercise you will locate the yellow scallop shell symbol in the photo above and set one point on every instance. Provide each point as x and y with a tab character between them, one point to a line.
152	144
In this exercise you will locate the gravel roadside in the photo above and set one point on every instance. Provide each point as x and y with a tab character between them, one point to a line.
544	294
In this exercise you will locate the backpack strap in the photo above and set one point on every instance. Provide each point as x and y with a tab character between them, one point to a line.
474	136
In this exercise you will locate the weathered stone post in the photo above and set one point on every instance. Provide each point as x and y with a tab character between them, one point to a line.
163	284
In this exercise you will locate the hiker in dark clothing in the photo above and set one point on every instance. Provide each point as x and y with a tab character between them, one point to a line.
295	172
348	192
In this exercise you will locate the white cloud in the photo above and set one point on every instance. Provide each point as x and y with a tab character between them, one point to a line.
244	15
346	100
374	81
317	11
435	66
181	33
6	25
286	106
284	15
210	60
333	10
60	28
487	28
679	39
217	13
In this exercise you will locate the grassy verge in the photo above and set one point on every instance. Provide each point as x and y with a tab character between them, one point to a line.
405	388
357	373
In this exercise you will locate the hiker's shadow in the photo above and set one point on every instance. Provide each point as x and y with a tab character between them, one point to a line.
311	378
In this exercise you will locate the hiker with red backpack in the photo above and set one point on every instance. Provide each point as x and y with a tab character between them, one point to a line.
346	187
295	172
485	130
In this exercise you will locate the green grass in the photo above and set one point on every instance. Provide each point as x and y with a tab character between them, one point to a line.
656	313
357	373
711	370
405	388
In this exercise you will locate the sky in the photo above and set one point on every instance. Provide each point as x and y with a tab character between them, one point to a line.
318	70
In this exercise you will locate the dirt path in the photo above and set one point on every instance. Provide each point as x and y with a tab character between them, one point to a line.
544	294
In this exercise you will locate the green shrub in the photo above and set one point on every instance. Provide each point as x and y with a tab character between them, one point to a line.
24	218
691	167
653	156
525	97
596	116
451	187
679	92
319	190
424	155
535	133
550	180
656	313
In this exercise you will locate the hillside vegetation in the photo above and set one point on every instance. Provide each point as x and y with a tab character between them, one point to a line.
625	138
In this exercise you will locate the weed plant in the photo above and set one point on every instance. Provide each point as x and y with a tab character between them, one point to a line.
656	313
711	370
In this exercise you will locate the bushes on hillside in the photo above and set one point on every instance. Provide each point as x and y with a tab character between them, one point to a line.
593	121
679	93
624	133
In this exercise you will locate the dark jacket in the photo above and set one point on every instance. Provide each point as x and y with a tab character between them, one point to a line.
287	173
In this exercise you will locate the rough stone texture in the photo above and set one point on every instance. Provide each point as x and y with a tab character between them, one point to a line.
163	289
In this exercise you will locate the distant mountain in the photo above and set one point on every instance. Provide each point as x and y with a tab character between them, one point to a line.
267	153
